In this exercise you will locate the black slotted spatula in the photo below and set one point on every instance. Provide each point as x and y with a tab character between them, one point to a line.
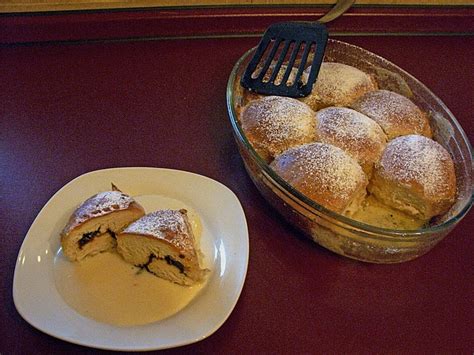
290	44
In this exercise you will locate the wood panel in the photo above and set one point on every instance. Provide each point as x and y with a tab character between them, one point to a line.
9	6
232	21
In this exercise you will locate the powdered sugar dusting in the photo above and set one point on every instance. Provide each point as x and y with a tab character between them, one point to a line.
98	205
339	84
327	170
350	130
395	113
165	224
420	160
278	123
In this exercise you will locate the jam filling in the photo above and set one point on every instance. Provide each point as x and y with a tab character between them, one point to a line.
175	263
145	266
112	234
169	260
87	237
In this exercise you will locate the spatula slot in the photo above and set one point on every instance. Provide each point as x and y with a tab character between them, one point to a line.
269	59
275	77
263	51
287	77
303	60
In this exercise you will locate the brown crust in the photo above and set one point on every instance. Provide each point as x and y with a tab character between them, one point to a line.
169	226
395	113
273	124
353	132
322	172
100	205
421	165
338	85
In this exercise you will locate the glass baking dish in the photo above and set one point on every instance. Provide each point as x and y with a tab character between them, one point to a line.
336	232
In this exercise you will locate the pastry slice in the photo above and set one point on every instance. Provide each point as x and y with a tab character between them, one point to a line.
93	226
162	242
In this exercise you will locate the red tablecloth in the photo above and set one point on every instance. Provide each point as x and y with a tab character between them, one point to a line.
66	109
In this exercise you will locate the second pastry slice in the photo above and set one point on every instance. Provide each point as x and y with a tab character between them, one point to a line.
163	243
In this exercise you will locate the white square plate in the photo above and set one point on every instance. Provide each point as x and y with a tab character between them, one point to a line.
224	242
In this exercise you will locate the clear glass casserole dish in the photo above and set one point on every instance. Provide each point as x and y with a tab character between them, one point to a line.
336	232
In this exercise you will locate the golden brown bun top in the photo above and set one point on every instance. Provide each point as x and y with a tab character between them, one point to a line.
421	163
338	85
99	205
356	134
396	114
322	172
171	226
273	124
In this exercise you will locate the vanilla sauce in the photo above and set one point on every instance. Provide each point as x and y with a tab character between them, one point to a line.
106	288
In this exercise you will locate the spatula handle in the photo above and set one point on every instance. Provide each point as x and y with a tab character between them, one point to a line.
339	8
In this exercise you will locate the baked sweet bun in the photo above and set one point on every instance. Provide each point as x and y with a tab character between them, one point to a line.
353	132
93	226
273	124
338	85
325	174
395	113
415	175
163	243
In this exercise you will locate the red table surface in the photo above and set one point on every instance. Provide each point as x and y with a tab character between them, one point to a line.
66	109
